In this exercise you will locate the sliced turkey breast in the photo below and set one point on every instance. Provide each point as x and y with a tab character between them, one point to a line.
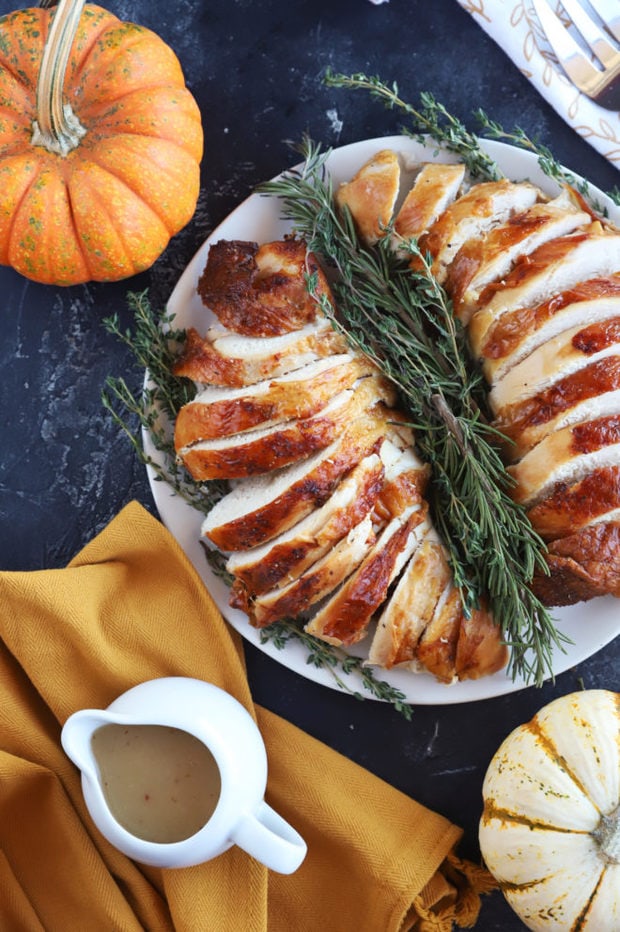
261	290
568	508
582	566
485	259
316	583
485	205
437	647
371	194
552	268
226	358
259	508
287	556
566	457
410	607
480	650
266	449
559	357
219	411
434	189
344	618
593	391
517	333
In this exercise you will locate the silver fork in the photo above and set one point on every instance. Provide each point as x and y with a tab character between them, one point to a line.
597	77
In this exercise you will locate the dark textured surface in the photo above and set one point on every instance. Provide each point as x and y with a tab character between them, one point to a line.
255	69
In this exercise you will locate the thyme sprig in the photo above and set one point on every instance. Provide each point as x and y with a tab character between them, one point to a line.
154	344
404	321
431	117
336	662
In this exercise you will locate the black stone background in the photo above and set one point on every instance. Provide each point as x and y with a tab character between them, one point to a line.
65	470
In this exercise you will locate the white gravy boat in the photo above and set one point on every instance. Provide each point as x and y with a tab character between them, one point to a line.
226	735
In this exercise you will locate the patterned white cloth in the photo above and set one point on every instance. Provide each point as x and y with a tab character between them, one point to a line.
513	24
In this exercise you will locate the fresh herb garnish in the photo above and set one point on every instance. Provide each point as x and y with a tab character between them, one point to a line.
325	656
154	345
404	321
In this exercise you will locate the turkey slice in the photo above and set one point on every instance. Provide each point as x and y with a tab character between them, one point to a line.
591	392
556	359
261	291
485	259
518	333
226	358
551	269
344	618
371	194
219	411
259	508
284	558
270	448
410	607
582	566
566	457
316	583
484	206
435	187
568	508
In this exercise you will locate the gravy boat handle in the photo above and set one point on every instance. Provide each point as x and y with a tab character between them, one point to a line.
270	839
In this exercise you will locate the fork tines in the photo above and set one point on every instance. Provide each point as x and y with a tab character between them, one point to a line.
598	74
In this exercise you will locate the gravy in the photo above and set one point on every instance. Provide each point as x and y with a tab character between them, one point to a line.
161	784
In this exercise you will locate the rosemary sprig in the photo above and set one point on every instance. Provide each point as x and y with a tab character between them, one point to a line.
327	657
154	345
404	321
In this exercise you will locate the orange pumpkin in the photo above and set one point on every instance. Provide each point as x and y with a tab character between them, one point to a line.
100	145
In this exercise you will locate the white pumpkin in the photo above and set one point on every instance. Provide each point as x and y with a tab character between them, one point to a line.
550	830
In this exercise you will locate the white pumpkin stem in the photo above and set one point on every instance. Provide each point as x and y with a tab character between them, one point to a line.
56	127
608	836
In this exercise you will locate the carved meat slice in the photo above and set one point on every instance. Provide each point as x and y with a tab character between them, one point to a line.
484	206
285	558
259	508
593	391
315	584
558	358
566	457
485	259
437	647
371	194
219	411
517	333
555	267
410	607
582	566
568	508
226	358
266	449
435	187
480	650
261	290
344	619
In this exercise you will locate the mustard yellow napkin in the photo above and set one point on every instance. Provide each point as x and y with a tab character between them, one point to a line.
128	608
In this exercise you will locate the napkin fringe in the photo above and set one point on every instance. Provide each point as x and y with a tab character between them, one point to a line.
469	881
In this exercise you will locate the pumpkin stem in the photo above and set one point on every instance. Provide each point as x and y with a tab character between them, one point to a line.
56	127
608	836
